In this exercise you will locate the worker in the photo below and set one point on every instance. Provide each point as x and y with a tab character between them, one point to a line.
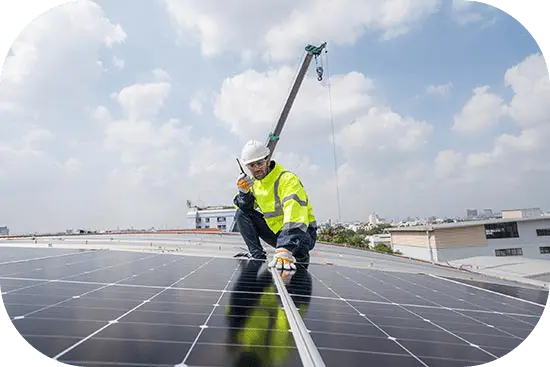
257	326
274	206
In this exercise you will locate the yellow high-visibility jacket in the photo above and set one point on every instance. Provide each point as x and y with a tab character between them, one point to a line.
283	200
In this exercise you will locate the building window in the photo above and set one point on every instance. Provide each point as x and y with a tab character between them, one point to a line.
206	220
543	232
501	230
221	219
544	250
509	252
222	226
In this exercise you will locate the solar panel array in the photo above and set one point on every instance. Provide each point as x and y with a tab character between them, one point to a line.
104	308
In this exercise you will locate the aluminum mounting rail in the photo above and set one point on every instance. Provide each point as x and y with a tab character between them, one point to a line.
306	347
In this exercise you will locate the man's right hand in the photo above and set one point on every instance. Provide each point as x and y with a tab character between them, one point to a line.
244	183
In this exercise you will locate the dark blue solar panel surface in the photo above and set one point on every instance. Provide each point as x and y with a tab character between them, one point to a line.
411	319
95	308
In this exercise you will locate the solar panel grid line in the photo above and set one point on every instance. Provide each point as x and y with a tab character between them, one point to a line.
423	306
469	310
205	324
487	290
116	285
306	348
444	342
451	296
63	281
59	281
83	294
37	269
65	351
374	324
484	295
85	297
44	257
464	315
419	316
314	297
83	273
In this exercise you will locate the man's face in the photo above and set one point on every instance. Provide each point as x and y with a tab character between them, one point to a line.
258	168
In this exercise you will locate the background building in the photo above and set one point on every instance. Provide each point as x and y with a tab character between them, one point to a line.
211	217
4	231
528	237
522	213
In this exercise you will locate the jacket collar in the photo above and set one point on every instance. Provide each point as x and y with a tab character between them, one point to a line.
275	170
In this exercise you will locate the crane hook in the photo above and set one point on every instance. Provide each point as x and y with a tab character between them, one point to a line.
319	73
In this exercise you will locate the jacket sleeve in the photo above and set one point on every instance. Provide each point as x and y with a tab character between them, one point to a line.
294	202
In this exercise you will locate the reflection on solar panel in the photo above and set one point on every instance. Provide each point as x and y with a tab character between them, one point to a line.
104	308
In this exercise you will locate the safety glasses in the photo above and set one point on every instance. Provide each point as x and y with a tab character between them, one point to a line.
257	163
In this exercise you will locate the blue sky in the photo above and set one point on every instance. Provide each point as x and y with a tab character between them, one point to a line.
115	114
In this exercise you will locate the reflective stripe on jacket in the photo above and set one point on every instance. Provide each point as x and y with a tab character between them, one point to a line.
283	201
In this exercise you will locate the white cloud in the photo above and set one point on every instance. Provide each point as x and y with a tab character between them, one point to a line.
480	114
118	63
299	163
530	83
138	139
448	163
56	53
384	131
530	139
209	159
73	165
143	100
25	158
513	159
197	102
161	75
463	12
251	102
439	89
278	29
479	160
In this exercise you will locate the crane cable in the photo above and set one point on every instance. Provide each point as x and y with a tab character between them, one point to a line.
333	139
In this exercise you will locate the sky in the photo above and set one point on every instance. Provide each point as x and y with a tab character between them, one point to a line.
115	113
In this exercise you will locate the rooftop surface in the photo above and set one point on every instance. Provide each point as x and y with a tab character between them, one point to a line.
175	300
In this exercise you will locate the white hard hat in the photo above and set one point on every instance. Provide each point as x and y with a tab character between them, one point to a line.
253	151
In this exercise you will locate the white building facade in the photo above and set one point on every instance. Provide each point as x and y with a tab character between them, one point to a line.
218	218
527	237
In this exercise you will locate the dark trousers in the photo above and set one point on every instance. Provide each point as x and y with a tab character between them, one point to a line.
252	226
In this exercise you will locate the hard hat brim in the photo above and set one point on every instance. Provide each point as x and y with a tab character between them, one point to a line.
254	159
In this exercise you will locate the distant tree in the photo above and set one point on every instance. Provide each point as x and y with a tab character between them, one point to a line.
341	235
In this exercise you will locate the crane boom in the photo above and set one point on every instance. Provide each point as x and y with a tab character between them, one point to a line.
273	137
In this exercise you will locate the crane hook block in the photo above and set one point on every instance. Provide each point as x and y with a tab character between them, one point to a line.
319	73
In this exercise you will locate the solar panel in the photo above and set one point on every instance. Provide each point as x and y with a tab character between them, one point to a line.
99	308
408	319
